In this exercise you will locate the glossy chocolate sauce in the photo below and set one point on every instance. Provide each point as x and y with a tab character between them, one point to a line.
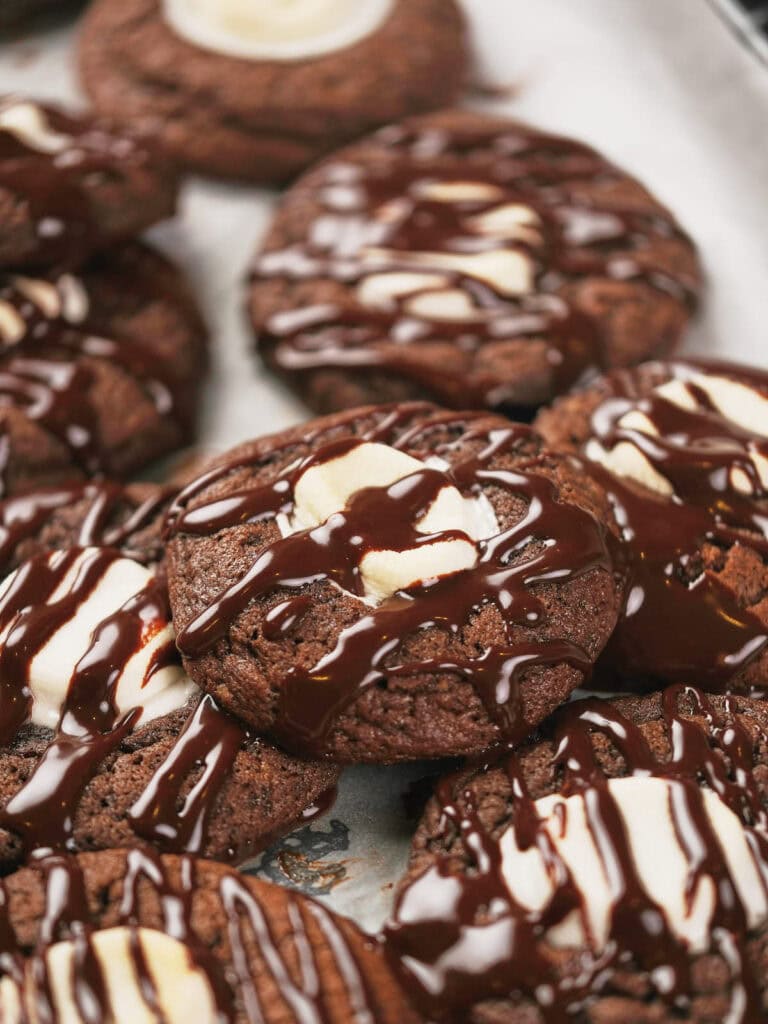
376	217
458	938
111	519
262	960
554	541
679	623
67	916
42	811
46	372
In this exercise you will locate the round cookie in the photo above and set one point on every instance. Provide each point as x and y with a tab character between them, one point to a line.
71	185
612	870
181	939
392	583
99	372
475	261
256	91
104	741
682	448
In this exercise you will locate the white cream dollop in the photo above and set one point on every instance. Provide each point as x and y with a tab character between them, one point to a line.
645	805
324	489
182	990
282	30
737	403
157	692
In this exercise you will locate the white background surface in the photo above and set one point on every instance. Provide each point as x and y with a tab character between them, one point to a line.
659	85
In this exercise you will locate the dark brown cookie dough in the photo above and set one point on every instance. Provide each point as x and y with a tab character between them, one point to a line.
693	500
101	513
71	185
264	120
99	372
456	925
280	631
263	949
79	770
470	260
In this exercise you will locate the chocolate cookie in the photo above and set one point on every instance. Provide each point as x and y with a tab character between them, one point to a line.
475	261
104	742
71	185
682	449
129	937
257	91
613	870
392	583
99	372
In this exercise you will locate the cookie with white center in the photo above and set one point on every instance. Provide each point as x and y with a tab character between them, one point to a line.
682	450
71	185
100	370
474	261
126	936
255	90
105	742
615	869
392	583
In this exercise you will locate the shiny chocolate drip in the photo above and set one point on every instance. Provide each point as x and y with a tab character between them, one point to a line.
680	622
22	518
42	811
375	217
561	541
45	373
305	999
458	939
262	957
68	916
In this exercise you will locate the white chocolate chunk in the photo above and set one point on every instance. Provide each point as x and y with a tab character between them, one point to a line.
386	572
739	403
512	220
156	692
325	489
646	807
380	290
448	304
625	460
182	990
43	294
30	126
12	325
282	30
508	272
459	191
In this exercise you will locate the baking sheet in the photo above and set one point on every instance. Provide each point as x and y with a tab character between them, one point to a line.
661	88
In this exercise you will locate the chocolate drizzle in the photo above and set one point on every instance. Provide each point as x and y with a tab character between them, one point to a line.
261	955
68	916
458	939
22	518
382	216
553	541
42	811
47	372
679	621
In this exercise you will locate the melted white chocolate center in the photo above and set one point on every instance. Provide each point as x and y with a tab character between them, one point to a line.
282	30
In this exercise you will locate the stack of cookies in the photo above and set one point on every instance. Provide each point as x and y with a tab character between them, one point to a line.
513	491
